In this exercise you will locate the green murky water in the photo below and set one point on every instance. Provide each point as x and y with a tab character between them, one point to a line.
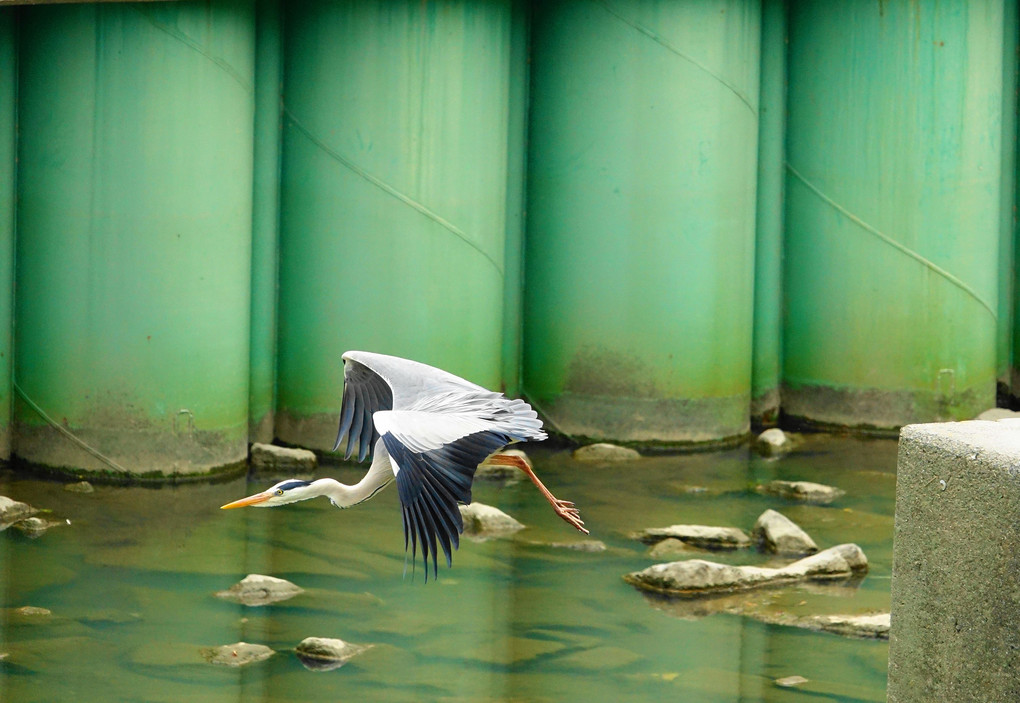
130	584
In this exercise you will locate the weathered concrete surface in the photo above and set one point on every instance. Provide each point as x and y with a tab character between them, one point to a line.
956	559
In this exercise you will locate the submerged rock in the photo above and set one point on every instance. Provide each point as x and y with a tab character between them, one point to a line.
324	654
583	545
237	654
79	487
670	547
802	490
33	611
696	577
873	626
775	532
11	511
703	536
34	527
483	521
269	457
257	589
790	681
603	451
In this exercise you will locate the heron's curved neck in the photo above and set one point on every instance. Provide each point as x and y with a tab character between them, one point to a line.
344	496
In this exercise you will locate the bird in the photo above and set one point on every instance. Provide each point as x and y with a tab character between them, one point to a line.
427	430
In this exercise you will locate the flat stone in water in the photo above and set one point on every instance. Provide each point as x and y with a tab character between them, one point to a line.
79	487
34	527
789	681
258	589
237	654
325	654
699	577
32	611
482	521
603	451
703	536
802	490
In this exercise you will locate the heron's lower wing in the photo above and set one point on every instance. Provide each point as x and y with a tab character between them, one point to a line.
431	482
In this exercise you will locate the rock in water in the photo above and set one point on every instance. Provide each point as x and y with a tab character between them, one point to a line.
324	654
696	577
257	589
802	490
237	654
777	533
34	527
483	521
269	457
703	536
789	681
603	451
79	487
11	511
773	441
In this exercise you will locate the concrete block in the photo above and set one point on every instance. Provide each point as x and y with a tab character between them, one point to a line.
956	564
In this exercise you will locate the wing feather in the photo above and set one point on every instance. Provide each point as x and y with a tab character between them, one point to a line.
431	482
365	393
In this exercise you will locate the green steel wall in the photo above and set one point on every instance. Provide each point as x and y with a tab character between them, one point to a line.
265	229
191	261
893	215
641	213
394	195
134	235
8	145
768	246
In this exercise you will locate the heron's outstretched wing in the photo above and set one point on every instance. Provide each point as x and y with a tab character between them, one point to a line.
365	393
434	457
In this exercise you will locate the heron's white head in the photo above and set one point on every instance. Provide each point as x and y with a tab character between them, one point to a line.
289	491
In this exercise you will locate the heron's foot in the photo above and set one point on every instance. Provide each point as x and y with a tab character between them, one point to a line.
566	510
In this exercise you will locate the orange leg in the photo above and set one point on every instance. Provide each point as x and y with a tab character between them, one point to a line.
564	508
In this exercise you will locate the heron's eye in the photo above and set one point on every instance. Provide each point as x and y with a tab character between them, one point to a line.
279	491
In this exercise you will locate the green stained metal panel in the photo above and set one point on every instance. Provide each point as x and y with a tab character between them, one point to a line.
1004	337
641	213
134	246
8	146
893	211
265	219
394	195
517	156
768	250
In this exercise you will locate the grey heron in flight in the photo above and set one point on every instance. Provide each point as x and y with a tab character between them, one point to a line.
428	430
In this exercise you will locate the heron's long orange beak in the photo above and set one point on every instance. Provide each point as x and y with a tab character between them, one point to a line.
250	500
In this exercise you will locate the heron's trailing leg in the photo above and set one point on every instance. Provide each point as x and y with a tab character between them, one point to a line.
564	508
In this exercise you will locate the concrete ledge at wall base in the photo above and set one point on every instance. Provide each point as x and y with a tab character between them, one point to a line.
955	632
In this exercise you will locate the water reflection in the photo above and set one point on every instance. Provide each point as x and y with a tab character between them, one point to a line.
131	586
